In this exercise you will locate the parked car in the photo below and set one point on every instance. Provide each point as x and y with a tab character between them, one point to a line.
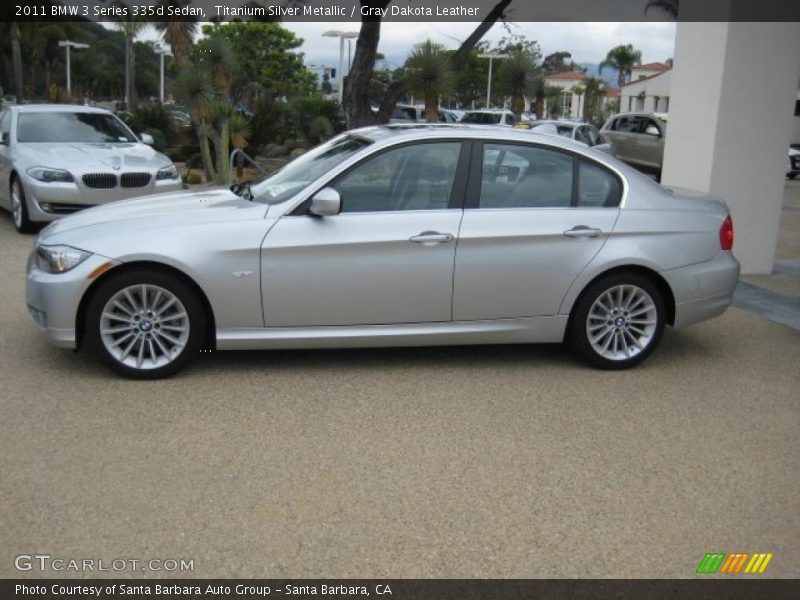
637	138
580	132
391	236
793	163
407	113
491	116
57	159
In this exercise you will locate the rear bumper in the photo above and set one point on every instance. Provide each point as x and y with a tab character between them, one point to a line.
704	290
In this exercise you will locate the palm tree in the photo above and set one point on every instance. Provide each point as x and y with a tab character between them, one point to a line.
179	35
131	29
594	90
578	91
553	95
518	77
622	58
16	58
428	74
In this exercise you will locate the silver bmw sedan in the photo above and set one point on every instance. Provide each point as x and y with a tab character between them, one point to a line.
58	159
391	236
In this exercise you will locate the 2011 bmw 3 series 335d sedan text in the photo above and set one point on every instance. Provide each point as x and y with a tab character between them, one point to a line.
391	236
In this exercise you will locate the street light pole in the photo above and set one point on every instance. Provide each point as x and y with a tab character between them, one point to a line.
491	57
342	35
162	52
67	44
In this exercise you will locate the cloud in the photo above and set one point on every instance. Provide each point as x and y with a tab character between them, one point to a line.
588	42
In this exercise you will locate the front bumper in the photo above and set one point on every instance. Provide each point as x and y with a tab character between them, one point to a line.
50	201
704	290
53	298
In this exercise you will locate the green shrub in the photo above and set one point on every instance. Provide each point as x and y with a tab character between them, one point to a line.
195	161
194	178
159	138
152	116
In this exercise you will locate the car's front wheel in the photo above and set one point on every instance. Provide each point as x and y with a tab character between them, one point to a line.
618	321
145	325
19	207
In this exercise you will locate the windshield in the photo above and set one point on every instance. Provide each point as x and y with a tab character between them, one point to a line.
283	184
71	127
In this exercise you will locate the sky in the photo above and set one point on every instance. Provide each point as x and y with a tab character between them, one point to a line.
588	42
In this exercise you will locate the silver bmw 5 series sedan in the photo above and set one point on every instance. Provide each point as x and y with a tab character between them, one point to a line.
58	159
391	236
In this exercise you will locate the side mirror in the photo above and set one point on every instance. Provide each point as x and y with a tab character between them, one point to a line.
4	138
652	130
146	138
326	203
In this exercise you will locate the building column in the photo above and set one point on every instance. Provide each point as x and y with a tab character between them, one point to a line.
730	118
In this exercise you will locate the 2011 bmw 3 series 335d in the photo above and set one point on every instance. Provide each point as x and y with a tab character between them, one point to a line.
391	236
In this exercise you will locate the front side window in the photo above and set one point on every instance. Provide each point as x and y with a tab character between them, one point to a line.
520	176
5	124
412	177
71	127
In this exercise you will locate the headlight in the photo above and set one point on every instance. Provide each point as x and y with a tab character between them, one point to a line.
170	172
50	175
59	259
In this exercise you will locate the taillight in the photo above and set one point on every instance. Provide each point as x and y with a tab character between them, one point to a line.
726	234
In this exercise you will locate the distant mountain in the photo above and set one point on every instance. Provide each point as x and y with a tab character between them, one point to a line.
608	75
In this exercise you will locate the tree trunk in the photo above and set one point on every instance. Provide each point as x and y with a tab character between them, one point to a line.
132	75
356	90
47	77
621	78
127	75
16	54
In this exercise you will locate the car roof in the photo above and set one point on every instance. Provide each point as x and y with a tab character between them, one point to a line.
74	108
662	116
555	122
392	133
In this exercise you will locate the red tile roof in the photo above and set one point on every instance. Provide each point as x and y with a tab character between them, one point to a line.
648	78
612	92
568	76
654	66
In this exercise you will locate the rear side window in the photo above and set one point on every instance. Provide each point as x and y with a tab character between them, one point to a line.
596	186
519	176
522	176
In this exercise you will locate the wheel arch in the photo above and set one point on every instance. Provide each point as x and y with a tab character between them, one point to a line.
652	275
80	318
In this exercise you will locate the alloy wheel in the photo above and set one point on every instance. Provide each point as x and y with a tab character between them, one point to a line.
144	326
16	204
622	322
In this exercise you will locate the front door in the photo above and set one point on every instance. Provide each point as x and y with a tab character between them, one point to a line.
386	258
534	221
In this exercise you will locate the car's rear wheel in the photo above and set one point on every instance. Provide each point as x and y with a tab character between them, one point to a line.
19	207
145	325
618	321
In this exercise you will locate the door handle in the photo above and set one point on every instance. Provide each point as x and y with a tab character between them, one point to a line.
430	238
582	231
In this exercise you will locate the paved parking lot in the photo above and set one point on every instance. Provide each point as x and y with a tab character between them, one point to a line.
444	462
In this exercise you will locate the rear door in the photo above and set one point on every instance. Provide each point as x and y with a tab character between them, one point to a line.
386	258
535	217
648	148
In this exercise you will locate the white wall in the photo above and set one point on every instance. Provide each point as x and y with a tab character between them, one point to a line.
731	112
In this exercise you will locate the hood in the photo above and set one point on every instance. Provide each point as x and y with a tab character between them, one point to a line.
89	157
160	211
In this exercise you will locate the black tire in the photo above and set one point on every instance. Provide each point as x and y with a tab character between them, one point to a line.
791	175
23	224
578	335
185	294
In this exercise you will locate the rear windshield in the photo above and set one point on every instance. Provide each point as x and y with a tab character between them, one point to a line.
75	127
482	118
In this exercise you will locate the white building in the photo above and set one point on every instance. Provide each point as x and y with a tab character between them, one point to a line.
571	103
648	89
